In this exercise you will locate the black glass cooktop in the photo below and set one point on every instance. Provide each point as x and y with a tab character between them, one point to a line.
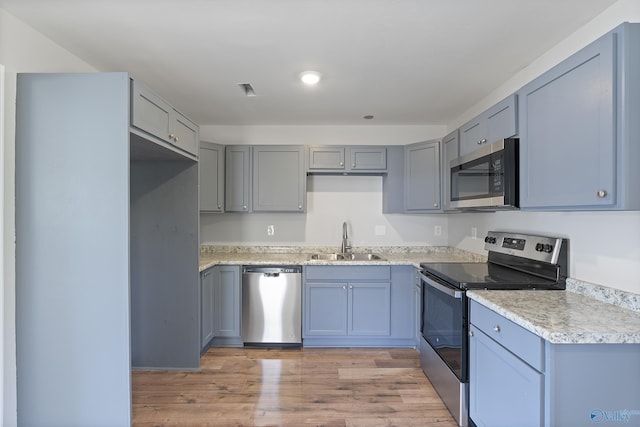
486	276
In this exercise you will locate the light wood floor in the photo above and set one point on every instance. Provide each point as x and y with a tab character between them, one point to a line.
292	387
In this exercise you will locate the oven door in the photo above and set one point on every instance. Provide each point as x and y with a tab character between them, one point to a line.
444	323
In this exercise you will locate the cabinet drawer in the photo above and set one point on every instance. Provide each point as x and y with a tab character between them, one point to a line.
524	344
348	272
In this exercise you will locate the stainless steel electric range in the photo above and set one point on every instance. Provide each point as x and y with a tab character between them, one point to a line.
515	261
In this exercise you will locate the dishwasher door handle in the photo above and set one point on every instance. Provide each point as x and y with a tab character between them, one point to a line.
271	274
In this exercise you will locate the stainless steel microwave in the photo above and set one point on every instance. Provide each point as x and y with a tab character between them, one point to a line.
487	178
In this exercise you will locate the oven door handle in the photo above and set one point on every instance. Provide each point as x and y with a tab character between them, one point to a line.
455	293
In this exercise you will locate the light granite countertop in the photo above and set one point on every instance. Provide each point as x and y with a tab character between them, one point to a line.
564	317
228	255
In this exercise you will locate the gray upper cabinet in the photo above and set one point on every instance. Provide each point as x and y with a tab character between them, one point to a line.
237	178
498	122
450	151
155	116
326	158
422	177
279	178
579	129
211	167
367	158
347	159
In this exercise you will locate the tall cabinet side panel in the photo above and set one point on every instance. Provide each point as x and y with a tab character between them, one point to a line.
72	249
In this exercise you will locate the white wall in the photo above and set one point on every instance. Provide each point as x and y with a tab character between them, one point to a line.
331	200
22	49
605	246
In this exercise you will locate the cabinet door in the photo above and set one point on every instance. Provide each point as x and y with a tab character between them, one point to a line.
325	309
279	179
206	307
367	158
330	158
211	168
227	302
149	112
450	150
502	119
184	133
237	178
472	135
503	390
422	177
369	309
567	135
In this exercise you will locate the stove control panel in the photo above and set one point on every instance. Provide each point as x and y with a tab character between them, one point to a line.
539	248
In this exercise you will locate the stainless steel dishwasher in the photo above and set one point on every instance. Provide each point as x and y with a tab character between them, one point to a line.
271	305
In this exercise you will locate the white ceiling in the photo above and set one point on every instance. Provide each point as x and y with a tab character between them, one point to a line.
404	61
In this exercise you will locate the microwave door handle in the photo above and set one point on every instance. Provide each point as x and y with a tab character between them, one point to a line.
455	293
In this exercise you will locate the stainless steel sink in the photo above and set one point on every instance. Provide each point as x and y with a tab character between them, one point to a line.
346	257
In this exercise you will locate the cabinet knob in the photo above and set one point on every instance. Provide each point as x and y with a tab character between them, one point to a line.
341	163
172	136
344	287
350	286
299	206
176	139
471	333
602	193
244	207
219	206
496	328
353	165
435	205
482	141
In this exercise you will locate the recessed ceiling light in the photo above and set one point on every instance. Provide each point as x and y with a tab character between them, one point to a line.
310	77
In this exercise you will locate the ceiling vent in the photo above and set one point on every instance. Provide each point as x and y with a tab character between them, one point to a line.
247	89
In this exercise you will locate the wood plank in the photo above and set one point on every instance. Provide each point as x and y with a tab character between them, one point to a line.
292	387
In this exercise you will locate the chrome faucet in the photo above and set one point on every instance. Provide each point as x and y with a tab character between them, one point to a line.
346	247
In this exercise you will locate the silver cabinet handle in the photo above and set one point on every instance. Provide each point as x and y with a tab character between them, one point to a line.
172	136
601	193
344	287
244	207
299	206
350	286
219	206
341	163
496	328
435	205
470	333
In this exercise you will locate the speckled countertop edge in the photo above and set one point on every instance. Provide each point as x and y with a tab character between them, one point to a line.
211	255
564	317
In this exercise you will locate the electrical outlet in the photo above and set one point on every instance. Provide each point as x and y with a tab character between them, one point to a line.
437	230
474	233
271	230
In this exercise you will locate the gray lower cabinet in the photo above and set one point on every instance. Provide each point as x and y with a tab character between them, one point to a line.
279	178
498	122
422	177
211	169
358	306
347	159
227	303
579	129
155	116
207	290
517	378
